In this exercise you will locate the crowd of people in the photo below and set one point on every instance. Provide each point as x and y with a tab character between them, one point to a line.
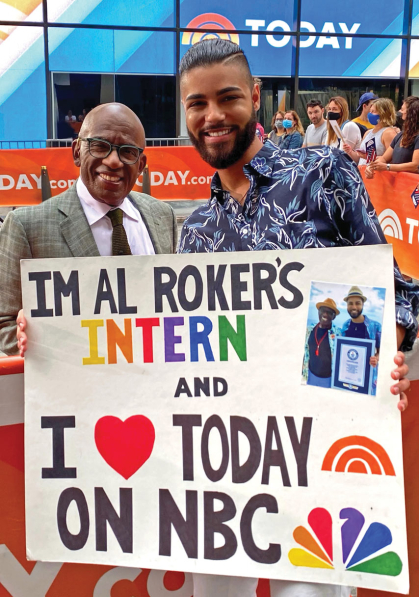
70	117
372	139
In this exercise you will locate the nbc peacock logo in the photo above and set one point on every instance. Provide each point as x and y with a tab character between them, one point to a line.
362	547
213	26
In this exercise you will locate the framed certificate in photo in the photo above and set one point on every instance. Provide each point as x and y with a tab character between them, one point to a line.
351	369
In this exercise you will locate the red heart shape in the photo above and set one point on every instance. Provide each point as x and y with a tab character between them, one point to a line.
125	445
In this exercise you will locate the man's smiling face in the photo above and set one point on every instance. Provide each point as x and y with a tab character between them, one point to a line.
326	316
355	307
108	179
220	106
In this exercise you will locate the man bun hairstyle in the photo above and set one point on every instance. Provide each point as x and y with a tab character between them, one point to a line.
214	51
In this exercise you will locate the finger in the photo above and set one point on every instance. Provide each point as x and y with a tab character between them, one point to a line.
22	341
404	385
403	403
401	387
399	358
21	320
23	345
400	372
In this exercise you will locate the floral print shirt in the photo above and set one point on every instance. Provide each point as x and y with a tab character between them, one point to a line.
312	197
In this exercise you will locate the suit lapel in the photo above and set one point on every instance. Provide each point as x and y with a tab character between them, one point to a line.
74	226
151	223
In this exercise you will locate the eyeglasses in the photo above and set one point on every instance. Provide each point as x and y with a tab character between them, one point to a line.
100	148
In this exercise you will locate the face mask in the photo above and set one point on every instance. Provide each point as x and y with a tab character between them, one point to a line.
279	124
333	116
288	124
373	118
399	114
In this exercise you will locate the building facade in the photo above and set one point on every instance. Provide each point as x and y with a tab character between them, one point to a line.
60	58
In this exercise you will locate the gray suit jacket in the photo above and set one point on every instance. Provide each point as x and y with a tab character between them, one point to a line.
59	228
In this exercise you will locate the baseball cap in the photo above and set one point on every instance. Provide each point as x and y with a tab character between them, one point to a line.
366	97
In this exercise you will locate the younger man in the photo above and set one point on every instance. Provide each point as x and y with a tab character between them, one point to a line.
264	198
316	133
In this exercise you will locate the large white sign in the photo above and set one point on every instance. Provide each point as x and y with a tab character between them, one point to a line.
180	416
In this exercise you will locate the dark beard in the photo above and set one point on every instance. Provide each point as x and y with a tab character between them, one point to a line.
218	157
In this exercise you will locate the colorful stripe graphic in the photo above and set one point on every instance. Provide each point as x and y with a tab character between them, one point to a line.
18	10
358	454
214	25
317	546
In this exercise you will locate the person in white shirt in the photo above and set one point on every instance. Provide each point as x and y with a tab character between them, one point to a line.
70	117
316	133
382	117
338	110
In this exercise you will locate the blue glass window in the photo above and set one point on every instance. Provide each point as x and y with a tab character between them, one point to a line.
124	13
351	17
109	51
350	57
22	85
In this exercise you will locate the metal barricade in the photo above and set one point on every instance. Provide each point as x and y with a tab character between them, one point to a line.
151	142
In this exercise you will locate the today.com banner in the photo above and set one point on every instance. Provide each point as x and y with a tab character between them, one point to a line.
176	173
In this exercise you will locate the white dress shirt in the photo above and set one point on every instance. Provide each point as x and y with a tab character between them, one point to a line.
351	134
96	213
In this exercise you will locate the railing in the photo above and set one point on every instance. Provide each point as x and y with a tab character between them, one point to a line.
24	144
152	142
170	142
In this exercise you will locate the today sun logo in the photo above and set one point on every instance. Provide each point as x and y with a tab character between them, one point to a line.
214	25
359	544
358	454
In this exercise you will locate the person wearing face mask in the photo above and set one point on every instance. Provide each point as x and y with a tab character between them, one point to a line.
277	127
365	103
403	153
382	116
338	110
294	132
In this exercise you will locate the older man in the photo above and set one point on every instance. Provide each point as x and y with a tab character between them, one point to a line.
100	215
320	344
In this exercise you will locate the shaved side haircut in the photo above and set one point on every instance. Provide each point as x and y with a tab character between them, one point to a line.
215	51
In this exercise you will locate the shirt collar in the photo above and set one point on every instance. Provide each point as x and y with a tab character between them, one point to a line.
261	165
95	210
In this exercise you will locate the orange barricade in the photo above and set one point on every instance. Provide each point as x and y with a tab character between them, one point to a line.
11	366
176	173
410	421
391	195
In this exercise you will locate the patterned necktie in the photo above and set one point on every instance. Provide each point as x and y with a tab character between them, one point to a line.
120	245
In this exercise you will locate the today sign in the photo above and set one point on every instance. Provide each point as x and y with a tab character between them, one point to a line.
167	426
